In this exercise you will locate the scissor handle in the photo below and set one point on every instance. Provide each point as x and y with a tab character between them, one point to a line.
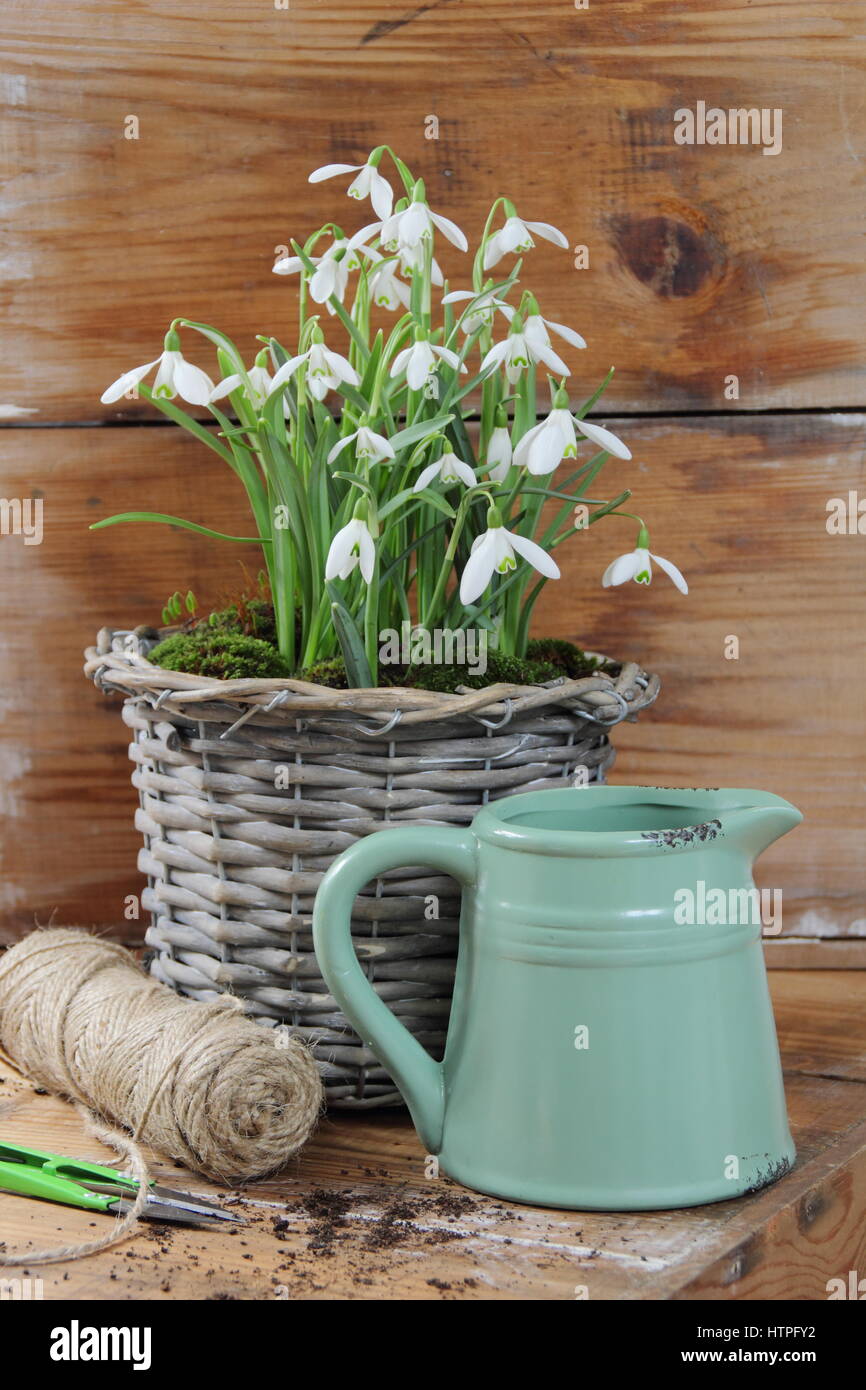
65	1167
32	1181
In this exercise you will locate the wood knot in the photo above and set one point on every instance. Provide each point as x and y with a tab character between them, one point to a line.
673	259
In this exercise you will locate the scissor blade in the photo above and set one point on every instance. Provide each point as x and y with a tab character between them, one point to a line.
163	1204
202	1203
184	1214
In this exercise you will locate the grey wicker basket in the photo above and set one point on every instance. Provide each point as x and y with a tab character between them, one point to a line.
248	789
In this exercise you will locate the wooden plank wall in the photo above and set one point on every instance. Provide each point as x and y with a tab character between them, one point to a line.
704	262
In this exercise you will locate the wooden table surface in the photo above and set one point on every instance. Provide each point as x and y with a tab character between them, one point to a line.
354	1217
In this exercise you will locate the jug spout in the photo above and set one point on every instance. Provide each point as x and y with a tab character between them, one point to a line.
759	820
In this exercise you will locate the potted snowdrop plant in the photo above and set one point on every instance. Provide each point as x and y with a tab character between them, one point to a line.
412	465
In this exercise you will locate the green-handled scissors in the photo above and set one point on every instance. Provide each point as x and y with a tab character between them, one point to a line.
57	1179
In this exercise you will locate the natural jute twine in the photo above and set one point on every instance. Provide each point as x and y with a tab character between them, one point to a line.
198	1082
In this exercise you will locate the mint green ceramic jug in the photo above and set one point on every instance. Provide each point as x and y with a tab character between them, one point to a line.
611	1041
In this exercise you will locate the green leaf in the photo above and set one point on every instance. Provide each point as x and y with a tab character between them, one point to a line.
187	422
420	430
455	396
587	405
366	387
351	393
404	172
219	340
356	481
351	643
177	521
404	554
425	495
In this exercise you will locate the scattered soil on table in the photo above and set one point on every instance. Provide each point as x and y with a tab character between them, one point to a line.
335	1219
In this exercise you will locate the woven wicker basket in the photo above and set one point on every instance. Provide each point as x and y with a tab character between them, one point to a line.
248	789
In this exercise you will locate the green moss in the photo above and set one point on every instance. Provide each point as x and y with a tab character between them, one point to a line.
239	642
331	672
513	670
226	655
568	659
254	617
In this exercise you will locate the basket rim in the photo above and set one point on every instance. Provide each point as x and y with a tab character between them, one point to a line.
606	699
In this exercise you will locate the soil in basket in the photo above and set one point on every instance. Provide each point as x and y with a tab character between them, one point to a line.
238	644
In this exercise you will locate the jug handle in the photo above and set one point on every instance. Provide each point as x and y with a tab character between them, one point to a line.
447	848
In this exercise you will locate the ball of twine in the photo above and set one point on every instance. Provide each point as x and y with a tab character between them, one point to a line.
198	1082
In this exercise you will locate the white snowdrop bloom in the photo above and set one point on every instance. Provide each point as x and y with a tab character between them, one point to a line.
352	546
412	259
543	447
419	362
175	377
331	273
637	565
260	384
448	469
516	352
495	552
407	229
368	183
499	453
535	328
386	287
369	446
325	371
516	236
483	311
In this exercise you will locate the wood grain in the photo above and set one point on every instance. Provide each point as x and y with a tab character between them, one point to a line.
400	1236
739	503
703	261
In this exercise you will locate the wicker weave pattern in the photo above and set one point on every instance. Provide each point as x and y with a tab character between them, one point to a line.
248	789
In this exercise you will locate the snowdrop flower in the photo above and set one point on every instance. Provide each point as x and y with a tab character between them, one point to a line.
385	286
535	327
325	371
482	313
637	565
494	553
419	362
407	229
412	259
259	379
386	289
449	469
331	274
352	546
517	351
368	184
516	235
369	446
543	447
175	377
605	439
499	450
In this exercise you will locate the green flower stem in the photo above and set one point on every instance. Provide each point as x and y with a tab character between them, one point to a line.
478	263
431	611
371	621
